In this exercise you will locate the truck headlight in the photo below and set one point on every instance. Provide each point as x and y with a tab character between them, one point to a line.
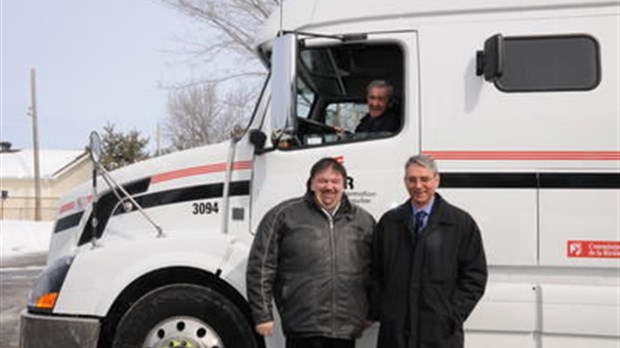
47	287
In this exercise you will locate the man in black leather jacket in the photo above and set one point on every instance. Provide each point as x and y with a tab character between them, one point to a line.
312	255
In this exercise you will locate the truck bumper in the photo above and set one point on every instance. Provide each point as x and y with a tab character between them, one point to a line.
43	331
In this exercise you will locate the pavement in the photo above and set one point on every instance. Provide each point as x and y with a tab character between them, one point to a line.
23	260
18	273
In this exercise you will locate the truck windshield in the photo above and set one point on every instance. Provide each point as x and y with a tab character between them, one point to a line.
260	107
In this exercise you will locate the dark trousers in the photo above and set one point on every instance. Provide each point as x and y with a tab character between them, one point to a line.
319	342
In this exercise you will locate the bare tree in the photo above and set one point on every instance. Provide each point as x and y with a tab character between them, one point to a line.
198	114
192	116
238	106
233	25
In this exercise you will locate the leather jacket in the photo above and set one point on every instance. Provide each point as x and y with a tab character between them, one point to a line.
316	267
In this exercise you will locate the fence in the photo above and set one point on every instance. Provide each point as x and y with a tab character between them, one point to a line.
22	208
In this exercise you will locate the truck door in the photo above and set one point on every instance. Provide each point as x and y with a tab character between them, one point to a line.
331	81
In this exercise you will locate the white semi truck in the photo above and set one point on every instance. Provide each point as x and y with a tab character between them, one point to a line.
517	100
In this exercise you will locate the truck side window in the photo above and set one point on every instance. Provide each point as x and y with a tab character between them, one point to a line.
332	88
550	63
305	99
346	115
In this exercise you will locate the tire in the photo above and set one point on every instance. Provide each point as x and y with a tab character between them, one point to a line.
183	315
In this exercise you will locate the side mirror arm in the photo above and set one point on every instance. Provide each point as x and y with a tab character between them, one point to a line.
258	139
490	61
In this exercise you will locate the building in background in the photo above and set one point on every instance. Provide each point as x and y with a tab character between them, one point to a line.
60	171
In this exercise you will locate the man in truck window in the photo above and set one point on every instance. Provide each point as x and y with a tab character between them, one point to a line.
381	117
429	268
312	255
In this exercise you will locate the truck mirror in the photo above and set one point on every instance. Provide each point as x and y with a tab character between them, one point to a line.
283	83
94	150
94	147
258	139
490	61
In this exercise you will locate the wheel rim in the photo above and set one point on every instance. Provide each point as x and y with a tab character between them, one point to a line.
182	332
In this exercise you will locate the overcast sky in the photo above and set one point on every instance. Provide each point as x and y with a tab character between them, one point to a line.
95	61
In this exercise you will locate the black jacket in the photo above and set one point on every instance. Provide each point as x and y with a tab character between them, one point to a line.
388	122
317	270
425	287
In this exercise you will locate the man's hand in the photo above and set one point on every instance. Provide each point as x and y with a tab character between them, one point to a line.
368	323
341	132
264	329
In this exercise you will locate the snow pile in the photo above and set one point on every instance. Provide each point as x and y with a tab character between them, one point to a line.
21	237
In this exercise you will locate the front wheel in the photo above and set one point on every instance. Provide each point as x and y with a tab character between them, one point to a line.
183	315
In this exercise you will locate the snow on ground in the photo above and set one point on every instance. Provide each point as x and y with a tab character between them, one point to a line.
23	237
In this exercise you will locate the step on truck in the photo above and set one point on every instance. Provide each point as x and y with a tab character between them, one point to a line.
516	100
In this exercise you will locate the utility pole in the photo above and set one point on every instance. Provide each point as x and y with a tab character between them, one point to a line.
35	140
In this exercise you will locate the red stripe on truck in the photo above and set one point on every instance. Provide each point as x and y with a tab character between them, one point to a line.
199	170
526	155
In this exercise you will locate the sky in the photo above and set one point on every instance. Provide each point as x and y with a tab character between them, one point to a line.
96	62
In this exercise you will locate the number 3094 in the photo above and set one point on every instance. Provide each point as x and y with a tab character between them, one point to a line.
205	208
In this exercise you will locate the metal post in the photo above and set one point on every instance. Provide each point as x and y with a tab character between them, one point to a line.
35	140
5	195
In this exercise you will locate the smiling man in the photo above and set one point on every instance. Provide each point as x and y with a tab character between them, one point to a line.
380	118
312	256
429	268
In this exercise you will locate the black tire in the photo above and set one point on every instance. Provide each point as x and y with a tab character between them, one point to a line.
180	310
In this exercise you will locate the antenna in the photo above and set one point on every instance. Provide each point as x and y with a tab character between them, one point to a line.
281	17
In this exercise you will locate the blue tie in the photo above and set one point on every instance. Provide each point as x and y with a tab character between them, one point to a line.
419	221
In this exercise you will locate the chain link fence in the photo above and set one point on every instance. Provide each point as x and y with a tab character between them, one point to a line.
23	208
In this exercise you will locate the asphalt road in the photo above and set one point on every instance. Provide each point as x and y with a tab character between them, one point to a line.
17	276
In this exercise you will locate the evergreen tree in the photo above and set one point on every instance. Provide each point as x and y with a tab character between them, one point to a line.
119	149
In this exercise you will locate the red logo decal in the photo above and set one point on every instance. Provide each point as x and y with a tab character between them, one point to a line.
597	249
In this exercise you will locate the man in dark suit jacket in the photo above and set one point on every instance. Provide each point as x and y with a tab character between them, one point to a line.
429	268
